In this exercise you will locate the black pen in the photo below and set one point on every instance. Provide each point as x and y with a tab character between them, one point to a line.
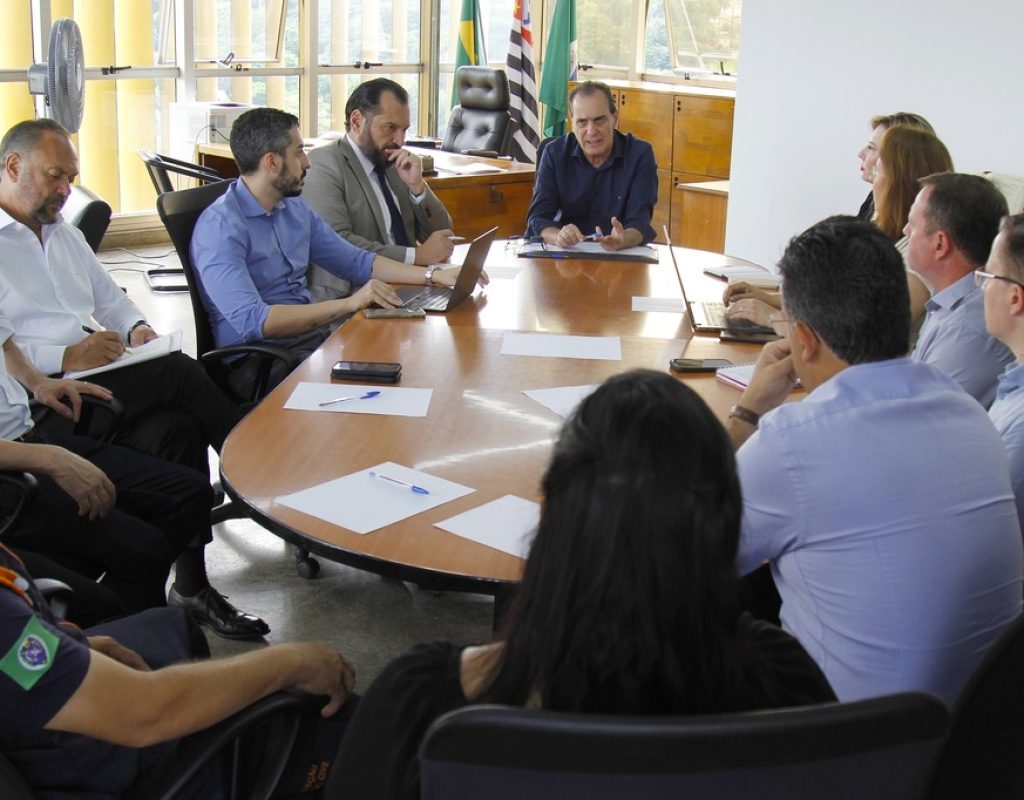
88	330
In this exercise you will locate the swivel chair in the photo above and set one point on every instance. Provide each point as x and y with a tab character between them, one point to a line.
88	212
480	125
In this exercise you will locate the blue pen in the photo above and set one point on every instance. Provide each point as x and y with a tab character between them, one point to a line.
410	486
366	396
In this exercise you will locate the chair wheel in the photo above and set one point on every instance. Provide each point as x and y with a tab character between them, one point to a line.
307	567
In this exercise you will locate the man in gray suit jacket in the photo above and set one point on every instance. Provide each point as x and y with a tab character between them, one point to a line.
372	192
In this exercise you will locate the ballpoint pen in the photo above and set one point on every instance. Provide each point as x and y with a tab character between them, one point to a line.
90	331
410	486
366	396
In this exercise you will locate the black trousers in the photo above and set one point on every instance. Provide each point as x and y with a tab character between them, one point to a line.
160	508
91	603
171	410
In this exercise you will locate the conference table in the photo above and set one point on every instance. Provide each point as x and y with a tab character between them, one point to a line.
480	431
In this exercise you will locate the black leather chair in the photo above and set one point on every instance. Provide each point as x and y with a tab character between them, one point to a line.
88	212
480	124
179	211
879	748
161	167
983	756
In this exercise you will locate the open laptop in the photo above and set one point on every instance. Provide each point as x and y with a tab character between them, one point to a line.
441	298
709	316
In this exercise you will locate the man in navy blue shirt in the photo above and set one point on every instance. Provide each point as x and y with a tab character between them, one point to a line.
595	182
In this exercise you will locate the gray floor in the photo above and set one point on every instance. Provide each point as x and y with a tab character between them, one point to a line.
369	618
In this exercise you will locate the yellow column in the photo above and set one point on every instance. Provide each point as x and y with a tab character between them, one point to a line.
97	138
206	31
241	44
136	103
15	53
275	95
339	55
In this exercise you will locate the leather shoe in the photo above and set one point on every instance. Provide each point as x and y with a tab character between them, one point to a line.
210	607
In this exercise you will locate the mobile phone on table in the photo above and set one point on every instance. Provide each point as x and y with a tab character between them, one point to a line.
373	371
698	364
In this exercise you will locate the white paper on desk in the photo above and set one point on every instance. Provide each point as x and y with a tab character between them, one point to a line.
590	250
362	503
561	399
504	271
755	276
154	348
471	169
554	345
506	524
670	304
393	400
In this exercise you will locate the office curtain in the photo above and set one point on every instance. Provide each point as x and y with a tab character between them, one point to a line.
560	63
470	48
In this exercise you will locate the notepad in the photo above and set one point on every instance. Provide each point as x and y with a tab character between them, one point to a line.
154	348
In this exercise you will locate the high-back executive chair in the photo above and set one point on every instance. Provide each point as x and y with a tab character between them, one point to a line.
878	748
180	211
480	125
88	212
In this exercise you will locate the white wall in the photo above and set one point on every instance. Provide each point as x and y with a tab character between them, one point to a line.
813	72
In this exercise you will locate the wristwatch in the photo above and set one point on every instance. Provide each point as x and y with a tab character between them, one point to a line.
743	413
141	322
428	276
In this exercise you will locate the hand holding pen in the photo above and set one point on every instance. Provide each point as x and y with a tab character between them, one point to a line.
95	350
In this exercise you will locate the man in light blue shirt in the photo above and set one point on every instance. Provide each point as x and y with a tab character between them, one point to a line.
882	500
1002	285
949	231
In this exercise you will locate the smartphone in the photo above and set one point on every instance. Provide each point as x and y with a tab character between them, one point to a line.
698	364
373	371
394	313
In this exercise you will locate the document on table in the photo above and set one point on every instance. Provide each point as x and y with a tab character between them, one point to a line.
504	272
561	399
363	503
554	345
506	524
154	348
756	276
673	305
591	250
472	169
393	400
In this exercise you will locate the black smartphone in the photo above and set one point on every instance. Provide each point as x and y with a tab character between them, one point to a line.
698	364
373	371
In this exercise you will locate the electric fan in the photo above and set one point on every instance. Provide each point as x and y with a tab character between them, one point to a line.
61	78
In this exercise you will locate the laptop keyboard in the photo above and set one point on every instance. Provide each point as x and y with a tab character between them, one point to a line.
714	314
432	299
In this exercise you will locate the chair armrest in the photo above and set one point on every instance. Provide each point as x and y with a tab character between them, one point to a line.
57	593
268	355
98	418
24	486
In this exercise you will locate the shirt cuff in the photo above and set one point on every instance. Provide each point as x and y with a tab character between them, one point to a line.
417	199
49	359
410	255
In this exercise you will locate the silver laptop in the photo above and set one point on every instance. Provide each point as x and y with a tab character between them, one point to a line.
709	316
441	298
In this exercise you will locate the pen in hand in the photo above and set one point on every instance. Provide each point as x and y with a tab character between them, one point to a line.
410	486
366	396
90	331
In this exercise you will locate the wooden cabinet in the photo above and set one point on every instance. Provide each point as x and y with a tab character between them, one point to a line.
702	135
699	212
477	206
646	115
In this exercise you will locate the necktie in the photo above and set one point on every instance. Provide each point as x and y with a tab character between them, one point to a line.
397	226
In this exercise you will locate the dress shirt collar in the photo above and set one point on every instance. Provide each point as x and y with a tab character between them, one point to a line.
364	162
952	295
618	150
248	203
1011	380
7	221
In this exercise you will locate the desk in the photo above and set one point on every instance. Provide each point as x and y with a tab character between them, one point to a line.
476	202
481	431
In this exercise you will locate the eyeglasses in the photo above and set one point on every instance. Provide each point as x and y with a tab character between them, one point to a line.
981	278
780	324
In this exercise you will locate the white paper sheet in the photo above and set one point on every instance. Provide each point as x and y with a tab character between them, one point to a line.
154	348
561	399
503	272
552	345
671	304
394	400
590	250
362	503
506	524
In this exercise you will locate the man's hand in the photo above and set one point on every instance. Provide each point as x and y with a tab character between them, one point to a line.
741	290
436	249
86	484
617	239
568	236
114	649
773	380
94	350
447	277
52	393
140	335
373	291
410	170
756	311
324	671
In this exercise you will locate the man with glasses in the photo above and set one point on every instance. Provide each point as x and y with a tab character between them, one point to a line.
882	500
1002	286
595	183
949	231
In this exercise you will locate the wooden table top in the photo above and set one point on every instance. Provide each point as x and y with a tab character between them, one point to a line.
481	430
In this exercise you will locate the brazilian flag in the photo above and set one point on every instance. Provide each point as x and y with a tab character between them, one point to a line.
469	49
559	67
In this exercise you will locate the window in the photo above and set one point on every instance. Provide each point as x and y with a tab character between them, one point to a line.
692	37
239	31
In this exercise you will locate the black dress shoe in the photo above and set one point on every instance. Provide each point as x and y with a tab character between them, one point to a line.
210	607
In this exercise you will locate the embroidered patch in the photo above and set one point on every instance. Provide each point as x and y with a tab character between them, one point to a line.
31	655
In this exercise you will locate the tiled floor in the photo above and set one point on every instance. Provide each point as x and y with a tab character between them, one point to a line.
369	618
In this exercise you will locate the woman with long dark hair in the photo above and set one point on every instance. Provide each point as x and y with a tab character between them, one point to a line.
628	602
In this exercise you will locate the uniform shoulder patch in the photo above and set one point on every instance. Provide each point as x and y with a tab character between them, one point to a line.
31	655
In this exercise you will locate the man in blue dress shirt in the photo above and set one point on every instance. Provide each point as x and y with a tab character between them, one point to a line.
882	501
595	181
949	231
1002	285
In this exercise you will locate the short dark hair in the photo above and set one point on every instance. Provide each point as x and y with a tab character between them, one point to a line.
366	98
23	137
845	279
968	208
908	118
258	132
588	88
1012	228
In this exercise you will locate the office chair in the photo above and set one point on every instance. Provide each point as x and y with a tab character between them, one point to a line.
480	125
878	748
180	211
88	212
982	757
